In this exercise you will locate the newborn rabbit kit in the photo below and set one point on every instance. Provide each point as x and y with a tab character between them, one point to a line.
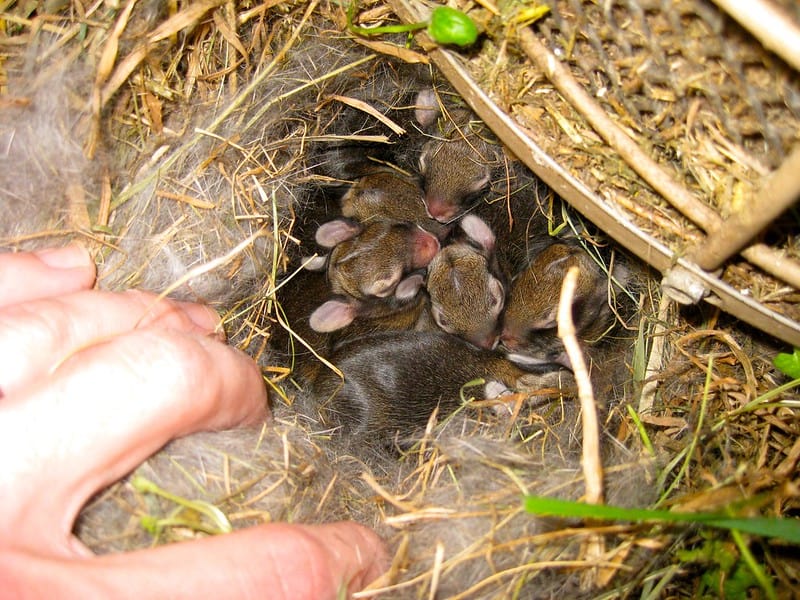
396	271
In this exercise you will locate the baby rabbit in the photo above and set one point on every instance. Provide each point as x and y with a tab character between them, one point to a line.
455	164
369	285
529	323
384	195
324	322
392	382
389	196
374	273
353	318
373	260
466	293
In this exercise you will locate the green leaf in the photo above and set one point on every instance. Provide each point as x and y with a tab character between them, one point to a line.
725	573
736	586
788	364
214	514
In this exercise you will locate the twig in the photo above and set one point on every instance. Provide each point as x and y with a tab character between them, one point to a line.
655	360
437	570
592	465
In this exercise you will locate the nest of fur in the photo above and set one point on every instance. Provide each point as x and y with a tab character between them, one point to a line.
174	140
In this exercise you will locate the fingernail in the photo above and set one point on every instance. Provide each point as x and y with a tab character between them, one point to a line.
204	317
71	256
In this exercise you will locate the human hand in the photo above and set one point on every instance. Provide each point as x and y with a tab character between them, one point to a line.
92	384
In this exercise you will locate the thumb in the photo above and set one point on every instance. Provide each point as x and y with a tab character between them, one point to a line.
277	561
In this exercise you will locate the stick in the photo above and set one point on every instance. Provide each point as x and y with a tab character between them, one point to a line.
592	465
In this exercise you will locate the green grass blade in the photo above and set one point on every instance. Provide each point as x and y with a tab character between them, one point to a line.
773	527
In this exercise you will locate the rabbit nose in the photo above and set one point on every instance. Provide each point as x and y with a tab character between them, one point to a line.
439	209
510	341
487	342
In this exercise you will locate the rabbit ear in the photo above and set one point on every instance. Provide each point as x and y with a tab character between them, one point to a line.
334	232
527	362
332	316
314	263
548	321
409	287
426	107
497	293
480	183
478	231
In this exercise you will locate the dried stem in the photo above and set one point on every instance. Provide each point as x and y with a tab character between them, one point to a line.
592	465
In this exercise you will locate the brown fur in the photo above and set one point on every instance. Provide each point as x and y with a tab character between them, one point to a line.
372	263
389	196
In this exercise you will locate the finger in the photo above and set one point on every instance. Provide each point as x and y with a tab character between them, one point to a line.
107	409
276	561
44	273
37	335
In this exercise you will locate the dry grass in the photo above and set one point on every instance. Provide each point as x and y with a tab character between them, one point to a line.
197	118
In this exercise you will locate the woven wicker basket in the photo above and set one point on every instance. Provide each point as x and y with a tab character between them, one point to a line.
668	124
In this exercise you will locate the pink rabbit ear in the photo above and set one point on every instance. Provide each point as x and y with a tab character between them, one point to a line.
334	232
332	316
478	231
426	107
314	263
409	287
